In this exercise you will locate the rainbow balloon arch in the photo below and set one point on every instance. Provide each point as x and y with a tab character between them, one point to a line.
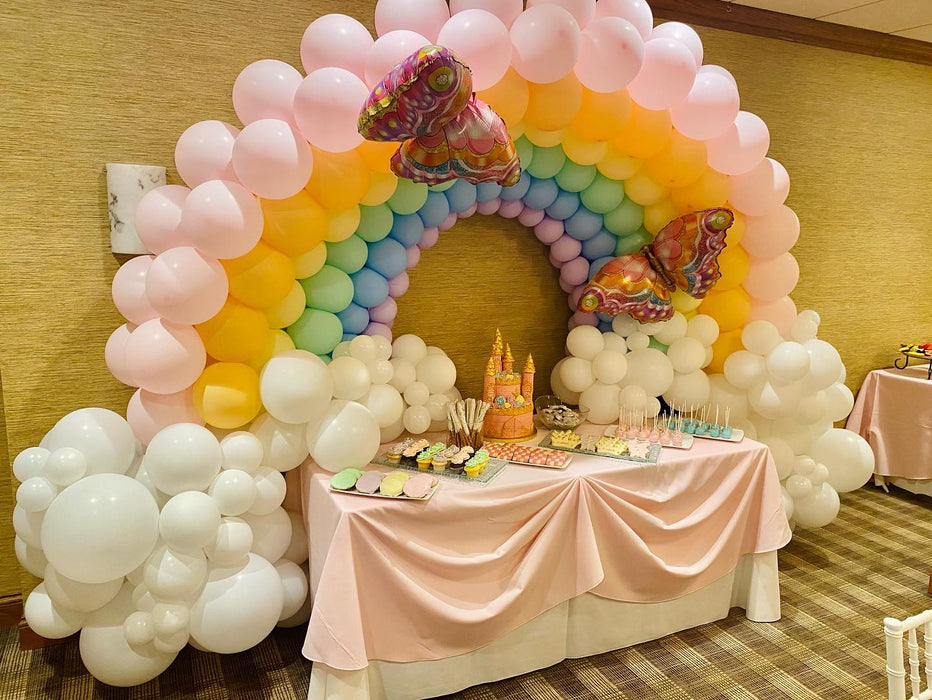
266	308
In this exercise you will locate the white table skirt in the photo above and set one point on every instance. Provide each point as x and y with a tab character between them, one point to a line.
583	626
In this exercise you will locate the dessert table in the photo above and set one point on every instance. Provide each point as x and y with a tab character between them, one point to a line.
413	599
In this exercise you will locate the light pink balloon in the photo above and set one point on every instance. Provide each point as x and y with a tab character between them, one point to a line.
637	12
469	212
429	238
449	222
575	272
379	329
548	231
609	41
506	10
769	236
397	286
425	17
583	11
565	286
781	313
158	216
271	159
164	357
574	297
265	90
565	249
222	219
489	206
388	51
545	43
327	106
148	413
531	217
584	319
336	41
771	279
710	107
185	286
115	354
384	312
741	147
666	75
129	290
718	70
682	33
414	257
511	209
761	190
481	41
204	151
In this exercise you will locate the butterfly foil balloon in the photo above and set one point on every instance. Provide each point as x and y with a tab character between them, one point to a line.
683	255
426	101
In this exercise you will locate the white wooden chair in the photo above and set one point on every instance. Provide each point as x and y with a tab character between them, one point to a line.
896	672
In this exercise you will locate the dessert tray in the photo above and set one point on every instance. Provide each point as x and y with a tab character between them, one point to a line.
490	471
400	497
737	435
685	443
647	453
348	480
530	456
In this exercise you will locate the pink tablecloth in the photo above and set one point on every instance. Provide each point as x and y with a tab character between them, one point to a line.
406	581
893	412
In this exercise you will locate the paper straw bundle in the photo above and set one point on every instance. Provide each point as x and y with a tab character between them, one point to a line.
464	421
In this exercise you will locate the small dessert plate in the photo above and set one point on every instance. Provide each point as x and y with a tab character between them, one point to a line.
400	497
684	445
737	435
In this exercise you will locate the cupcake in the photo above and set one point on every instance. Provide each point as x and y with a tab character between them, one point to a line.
410	453
394	452
458	461
442	458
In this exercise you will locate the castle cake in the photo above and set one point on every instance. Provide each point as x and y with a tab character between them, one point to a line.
511	395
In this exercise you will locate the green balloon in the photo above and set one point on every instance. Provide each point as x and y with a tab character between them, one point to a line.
603	194
525	150
349	255
316	331
409	196
374	222
633	242
657	345
442	187
624	219
546	162
574	177
330	289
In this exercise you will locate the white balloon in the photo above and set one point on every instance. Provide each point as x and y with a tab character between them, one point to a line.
383	347
100	528
576	373
672	329
825	363
798	486
28	526
689	389
804	328
381	371
183	457
296	386
437	407
347	436
284	444
724	394
294	587
743	369
47	619
838	402
299	618
796	436
170	643
559	388
787	362
709	356
404	373
416	394
703	328
271	534
774	400
818	475
436	372
363	347
638	341
788	505
232	544
653	327
189	521
142	598
351	378
390	432
138	628
602	402
652	406
170	618
803	465
649	368
297	548
270	491
624	325
409	347
847	456
817	510
30	558
65	466
614	342
68	594
783	456
36	494
609	366
30	462
686	355
585	342
760	337
105	439
385	403
341	350
171	575
811	408
632	398
233	491
416	419
241	450
434	350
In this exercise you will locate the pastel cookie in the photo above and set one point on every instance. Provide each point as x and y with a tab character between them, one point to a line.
369	482
346	479
392	486
419	485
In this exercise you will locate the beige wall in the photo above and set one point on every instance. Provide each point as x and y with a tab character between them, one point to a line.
90	82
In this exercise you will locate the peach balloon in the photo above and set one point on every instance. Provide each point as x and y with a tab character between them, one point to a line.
204	151
425	17
733	263
481	41
709	191
129	290
772	279
602	114
164	357
770	235
762	190
609	41
583	151
339	180
681	162
781	313
265	90
261	278
658	215
726	344
235	334
729	308
509	97
221	219
545	42
226	395
641	189
645	133
337	41
148	413
293	225
158	217
185	286
552	106
617	165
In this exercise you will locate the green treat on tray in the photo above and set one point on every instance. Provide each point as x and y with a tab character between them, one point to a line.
346	479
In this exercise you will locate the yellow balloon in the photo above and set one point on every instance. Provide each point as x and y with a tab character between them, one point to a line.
226	395
617	165
509	97
544	139
310	262
730	308
733	263
710	190
583	151
342	224
235	334
377	155
602	114
645	133
516	131
381	187
293	225
277	341
681	162
727	343
641	189
552	106
658	215
289	309
338	180
684	303
735	232
261	278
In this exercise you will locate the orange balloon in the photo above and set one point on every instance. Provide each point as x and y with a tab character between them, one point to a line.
733	263
277	341
679	163
293	225
602	114
617	165
735	233
226	395
645	133
658	215
583	151
709	191
377	155
641	189
235	334
539	137
381	187
309	263
729	308
262	277
339	180
552	106
342	224
727	343
509	97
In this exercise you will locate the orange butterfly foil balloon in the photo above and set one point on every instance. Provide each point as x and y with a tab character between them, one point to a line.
683	255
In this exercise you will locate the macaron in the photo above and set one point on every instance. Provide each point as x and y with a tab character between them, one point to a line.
346	479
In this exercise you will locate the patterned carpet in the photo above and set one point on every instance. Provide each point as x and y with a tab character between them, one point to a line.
837	585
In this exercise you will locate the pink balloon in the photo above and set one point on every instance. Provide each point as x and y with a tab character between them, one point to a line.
335	41
582	10
684	34
327	106
129	290
148	413
761	190
482	42
666	75
388	51
609	41
425	17
449	222
397	286
548	231
574	296
718	70
384	312
531	217
575	272
165	357
769	236
545	43
378	329
468	212
271	159
584	319
204	151
506	10
710	107
489	206
185	286
567	287
158	216
772	279
741	147
554	261
414	257
781	313
565	249
429	238
511	209
115	354
637	12
265	90
222	219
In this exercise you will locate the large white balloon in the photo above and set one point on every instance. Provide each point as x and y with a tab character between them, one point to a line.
284	444
68	594
409	347
585	342
609	366
30	558
297	548
294	587
416	419
28	526
674	329
559	388
104	437
347	436
689	389
48	619
787	362
760	337
270	491
703	328
183	457
825	365
437	372
404	373
838	401
744	369
783	456
271	534
296	386
650	369
100	528
576	373
65	466
351	378
189	521
233	491
385	403
171	575
602	402
774	400
686	354
847	456
241	450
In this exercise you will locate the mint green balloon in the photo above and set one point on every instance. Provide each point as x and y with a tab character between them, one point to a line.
349	255
657	345
330	289
546	162
374	222
525	150
442	187
316	331
408	197
624	219
633	242
603	194
574	177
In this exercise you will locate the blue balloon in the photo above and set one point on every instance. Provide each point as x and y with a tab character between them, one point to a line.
564	206
461	196
370	288
584	224
354	319
598	264
388	257
487	191
601	244
605	318
434	210
518	190
407	229
541	193
604	326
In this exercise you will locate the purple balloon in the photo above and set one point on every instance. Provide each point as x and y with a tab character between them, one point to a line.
531	217
511	209
575	296
379	329
565	286
414	256
385	312
584	319
575	272
548	231
556	263
447	223
488	207
565	249
397	286
469	212
429	238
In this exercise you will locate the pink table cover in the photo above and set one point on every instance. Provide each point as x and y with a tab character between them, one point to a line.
411	581
893	412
